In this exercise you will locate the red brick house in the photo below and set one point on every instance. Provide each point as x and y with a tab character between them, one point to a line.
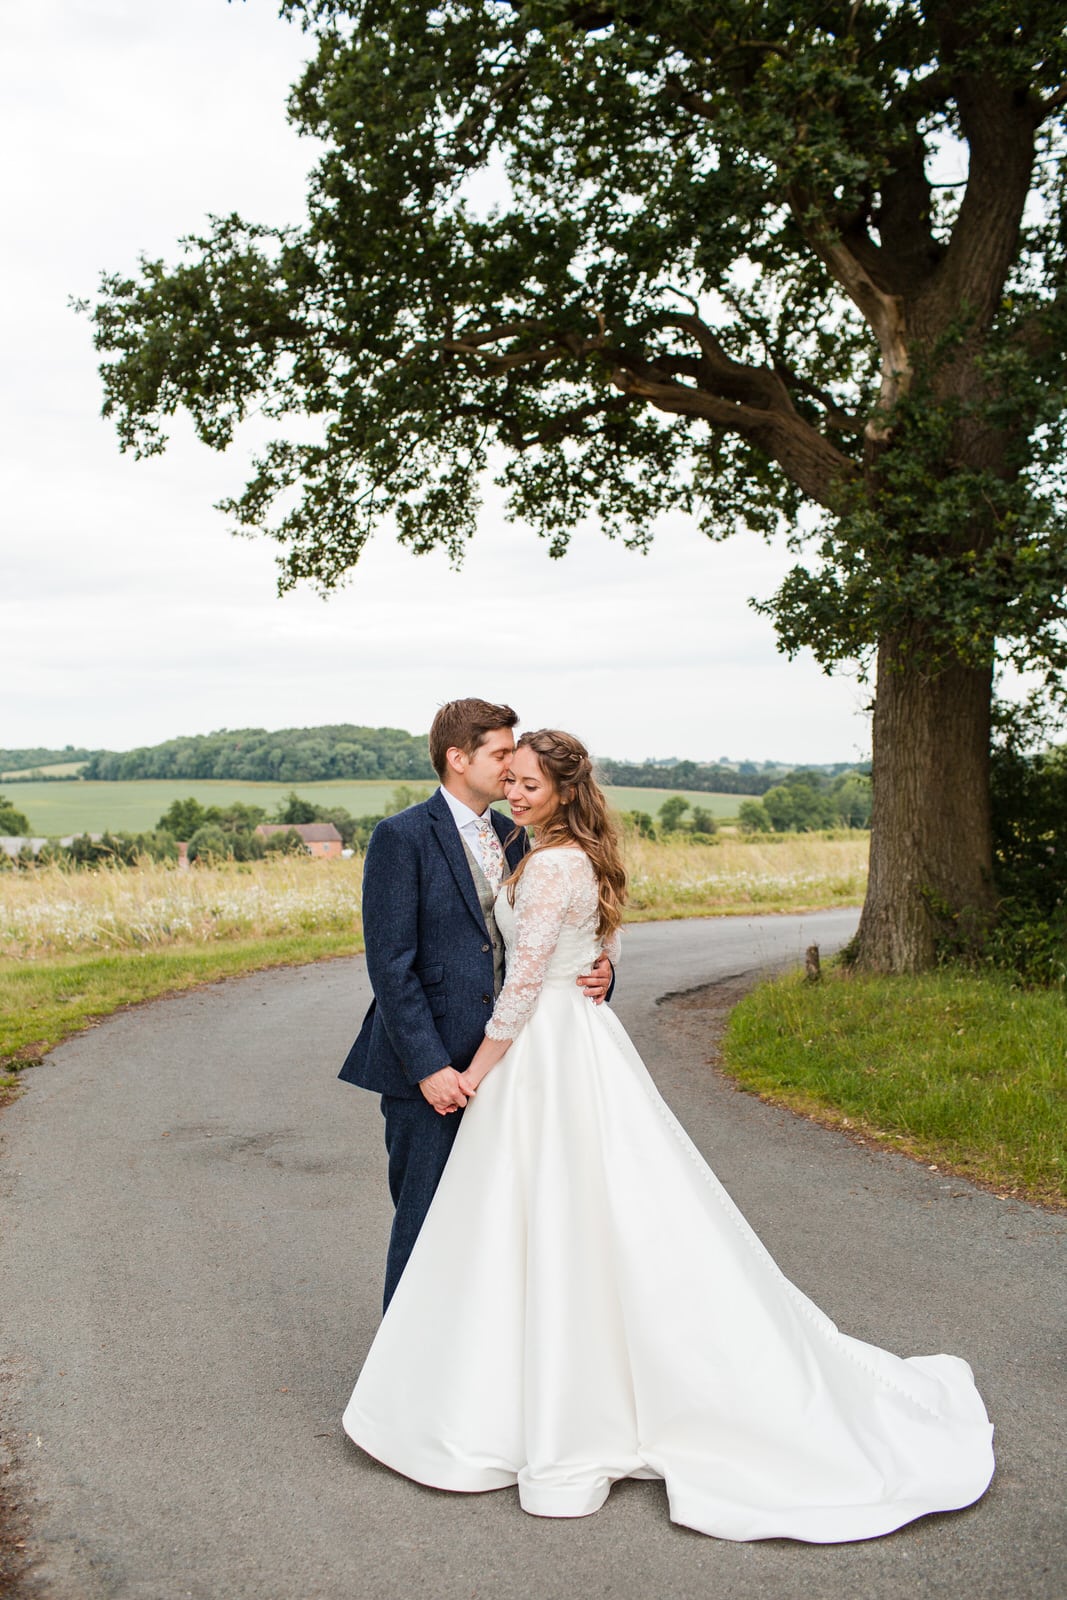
321	838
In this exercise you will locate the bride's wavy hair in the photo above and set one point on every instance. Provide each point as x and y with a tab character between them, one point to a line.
581	818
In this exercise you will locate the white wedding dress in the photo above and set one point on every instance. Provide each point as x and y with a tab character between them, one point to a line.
585	1303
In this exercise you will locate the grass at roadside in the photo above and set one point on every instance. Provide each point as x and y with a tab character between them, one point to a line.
959	1070
44	1002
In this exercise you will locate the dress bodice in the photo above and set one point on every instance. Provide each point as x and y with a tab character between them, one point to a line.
550	933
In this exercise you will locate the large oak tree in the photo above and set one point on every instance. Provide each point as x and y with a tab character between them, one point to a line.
799	263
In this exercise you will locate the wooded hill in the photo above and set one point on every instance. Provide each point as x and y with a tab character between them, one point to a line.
32	759
284	755
345	750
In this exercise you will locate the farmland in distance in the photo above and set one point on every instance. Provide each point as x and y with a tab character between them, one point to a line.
61	807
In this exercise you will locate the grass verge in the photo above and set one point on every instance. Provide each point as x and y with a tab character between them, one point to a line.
958	1070
43	1002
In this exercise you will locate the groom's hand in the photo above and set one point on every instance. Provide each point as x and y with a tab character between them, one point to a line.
595	984
445	1090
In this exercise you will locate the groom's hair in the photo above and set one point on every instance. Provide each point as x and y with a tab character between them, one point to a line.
462	725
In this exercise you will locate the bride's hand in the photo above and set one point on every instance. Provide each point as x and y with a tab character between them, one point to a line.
468	1085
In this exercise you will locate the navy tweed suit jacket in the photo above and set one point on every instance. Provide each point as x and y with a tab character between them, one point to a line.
429	957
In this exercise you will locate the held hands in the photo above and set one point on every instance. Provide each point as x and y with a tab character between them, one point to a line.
446	1090
595	984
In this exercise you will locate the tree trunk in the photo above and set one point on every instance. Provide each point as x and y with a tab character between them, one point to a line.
931	835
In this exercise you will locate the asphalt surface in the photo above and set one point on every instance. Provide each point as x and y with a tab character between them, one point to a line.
194	1224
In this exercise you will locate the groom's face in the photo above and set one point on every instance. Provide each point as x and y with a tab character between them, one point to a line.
487	768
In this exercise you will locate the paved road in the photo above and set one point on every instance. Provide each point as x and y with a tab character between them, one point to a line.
195	1222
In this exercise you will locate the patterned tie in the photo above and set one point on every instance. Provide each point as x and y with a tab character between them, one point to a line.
491	852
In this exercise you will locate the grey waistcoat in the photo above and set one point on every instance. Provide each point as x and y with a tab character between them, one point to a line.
485	900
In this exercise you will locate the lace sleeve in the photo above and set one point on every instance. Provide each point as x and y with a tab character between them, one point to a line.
541	900
613	947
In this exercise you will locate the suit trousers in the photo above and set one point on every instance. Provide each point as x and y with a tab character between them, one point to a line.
418	1141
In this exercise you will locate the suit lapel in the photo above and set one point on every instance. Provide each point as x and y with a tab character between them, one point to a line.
451	844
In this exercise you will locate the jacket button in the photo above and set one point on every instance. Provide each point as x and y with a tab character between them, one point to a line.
485	947
485	999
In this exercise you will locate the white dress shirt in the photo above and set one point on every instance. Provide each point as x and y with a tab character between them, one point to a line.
466	820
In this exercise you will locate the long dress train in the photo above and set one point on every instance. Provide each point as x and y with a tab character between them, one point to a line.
585	1303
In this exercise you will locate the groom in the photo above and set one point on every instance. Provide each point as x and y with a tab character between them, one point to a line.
435	956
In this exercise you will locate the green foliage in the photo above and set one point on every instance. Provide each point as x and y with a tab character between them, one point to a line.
12	822
209	843
284	844
701	826
109	850
640	822
1030	826
794	807
217	832
1030	852
183	817
296	810
752	817
703	822
103	850
286	755
719	278
671	813
850	797
807	800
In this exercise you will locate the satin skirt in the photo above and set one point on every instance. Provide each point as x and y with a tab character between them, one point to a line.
585	1303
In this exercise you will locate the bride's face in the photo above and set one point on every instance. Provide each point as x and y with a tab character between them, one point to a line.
531	794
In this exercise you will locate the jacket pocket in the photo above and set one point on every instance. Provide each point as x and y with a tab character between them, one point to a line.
432	980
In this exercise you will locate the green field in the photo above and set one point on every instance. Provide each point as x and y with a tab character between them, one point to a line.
60	808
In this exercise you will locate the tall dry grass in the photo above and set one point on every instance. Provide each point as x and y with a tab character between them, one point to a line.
785	872
52	911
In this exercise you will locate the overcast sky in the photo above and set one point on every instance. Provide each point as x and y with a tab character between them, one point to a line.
129	614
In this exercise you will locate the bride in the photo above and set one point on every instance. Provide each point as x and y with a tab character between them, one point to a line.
606	1310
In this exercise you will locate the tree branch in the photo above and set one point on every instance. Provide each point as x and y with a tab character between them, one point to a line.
999	128
884	313
780	433
565	425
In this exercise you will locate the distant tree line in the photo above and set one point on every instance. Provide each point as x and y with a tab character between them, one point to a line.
25	762
746	777
285	755
345	750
